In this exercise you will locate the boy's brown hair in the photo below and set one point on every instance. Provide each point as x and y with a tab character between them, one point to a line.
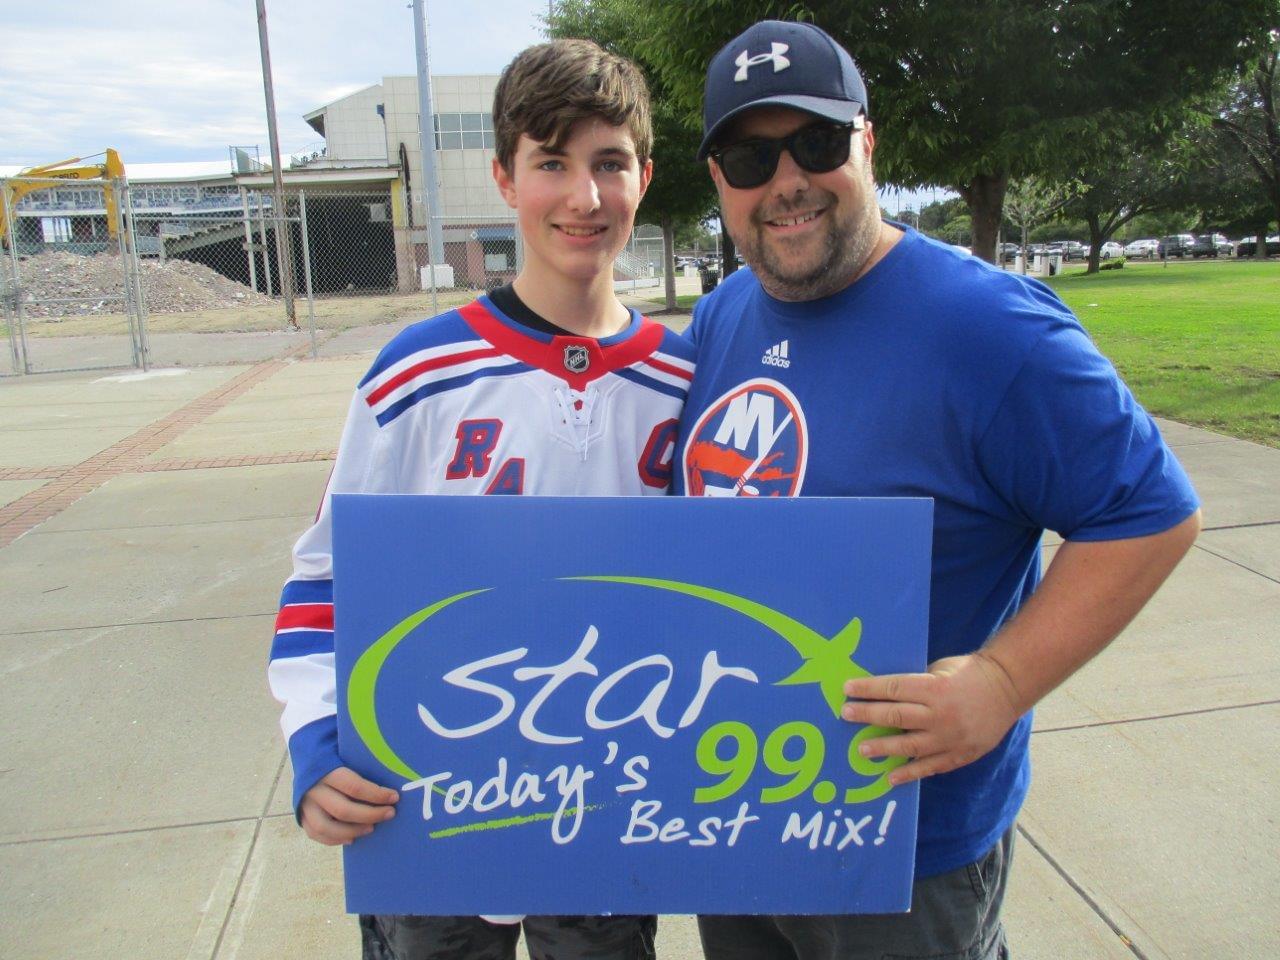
547	88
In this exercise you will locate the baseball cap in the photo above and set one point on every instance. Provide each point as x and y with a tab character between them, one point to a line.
785	64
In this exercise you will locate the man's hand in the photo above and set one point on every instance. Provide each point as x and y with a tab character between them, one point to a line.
344	806
950	716
961	708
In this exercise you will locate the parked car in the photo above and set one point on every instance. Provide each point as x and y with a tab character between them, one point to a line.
1176	245
1008	252
1211	245
1109	249
1142	248
1203	246
1071	249
1249	246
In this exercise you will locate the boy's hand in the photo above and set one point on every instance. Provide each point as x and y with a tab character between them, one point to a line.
344	806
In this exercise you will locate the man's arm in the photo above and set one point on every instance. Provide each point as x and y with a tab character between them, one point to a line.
963	706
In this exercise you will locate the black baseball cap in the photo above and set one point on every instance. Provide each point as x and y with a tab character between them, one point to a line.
784	64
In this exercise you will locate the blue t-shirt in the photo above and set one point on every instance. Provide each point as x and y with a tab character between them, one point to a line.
934	375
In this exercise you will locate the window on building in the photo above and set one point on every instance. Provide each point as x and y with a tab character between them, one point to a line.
464	131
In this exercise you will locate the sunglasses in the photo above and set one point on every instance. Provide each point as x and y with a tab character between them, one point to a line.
817	148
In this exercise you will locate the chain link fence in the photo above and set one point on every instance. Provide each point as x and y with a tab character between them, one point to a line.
478	254
70	284
86	281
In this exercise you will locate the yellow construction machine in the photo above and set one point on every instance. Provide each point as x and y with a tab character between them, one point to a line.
40	178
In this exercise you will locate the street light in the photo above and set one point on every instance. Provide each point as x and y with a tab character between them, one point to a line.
283	252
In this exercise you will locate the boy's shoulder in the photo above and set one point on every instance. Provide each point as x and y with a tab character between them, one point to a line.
435	337
673	344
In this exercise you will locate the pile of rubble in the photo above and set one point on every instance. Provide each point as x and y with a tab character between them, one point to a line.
95	284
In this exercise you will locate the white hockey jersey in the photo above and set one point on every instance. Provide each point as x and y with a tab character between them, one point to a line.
471	402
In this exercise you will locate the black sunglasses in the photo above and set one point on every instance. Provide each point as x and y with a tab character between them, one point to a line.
817	148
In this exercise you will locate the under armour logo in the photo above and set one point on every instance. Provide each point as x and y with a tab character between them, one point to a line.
745	62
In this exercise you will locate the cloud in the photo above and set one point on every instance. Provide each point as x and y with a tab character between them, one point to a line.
177	80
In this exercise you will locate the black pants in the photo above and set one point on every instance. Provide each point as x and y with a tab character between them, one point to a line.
392	937
954	916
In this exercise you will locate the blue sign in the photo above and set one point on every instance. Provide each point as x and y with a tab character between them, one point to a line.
626	705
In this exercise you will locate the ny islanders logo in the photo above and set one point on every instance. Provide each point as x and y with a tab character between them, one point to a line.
751	442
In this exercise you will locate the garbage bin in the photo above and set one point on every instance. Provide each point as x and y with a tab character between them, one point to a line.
710	276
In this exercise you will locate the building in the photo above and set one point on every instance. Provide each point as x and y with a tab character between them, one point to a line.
379	125
363	193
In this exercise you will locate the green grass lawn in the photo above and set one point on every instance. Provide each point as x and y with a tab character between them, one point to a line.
683	302
1197	342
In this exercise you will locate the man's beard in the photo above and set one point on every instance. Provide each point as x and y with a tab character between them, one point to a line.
845	246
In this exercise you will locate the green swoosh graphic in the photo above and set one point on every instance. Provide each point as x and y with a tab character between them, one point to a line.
364	678
828	663
508	822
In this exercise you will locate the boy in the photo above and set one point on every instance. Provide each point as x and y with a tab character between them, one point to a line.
547	386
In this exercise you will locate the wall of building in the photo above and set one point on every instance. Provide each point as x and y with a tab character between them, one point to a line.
353	129
466	183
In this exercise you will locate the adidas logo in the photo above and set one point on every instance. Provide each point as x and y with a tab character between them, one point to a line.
778	355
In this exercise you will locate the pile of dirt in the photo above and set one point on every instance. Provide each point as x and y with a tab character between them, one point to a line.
94	284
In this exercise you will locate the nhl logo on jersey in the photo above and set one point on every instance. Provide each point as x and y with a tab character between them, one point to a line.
576	358
750	442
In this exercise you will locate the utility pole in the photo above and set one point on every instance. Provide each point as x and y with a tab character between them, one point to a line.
284	255
427	137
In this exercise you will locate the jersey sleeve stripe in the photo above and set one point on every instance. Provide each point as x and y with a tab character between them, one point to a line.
443	386
431	376
307	591
652	383
671	368
444	334
661	376
426	366
310	616
301	643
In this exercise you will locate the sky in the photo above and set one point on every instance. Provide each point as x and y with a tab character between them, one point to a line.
181	80
178	81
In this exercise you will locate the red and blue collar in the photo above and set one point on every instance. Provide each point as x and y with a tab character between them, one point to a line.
576	360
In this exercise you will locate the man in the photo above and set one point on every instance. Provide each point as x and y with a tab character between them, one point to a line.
548	386
864	359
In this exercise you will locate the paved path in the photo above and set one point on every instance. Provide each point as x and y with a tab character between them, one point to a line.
144	531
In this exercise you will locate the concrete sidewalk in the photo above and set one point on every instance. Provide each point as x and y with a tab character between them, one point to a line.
145	523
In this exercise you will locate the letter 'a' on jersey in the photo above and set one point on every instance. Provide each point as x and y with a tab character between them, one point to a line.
470	402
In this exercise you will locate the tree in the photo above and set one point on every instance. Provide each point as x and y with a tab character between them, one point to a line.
1227	192
934	215
1249	118
1132	173
972	94
694	236
681	193
1030	201
1157	223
